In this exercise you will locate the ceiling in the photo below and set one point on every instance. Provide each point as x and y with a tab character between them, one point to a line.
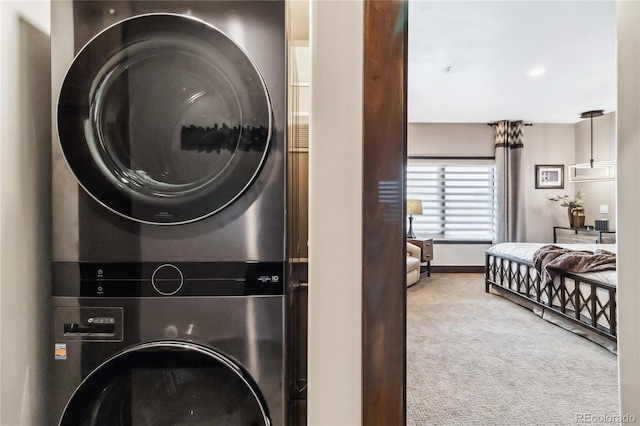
469	60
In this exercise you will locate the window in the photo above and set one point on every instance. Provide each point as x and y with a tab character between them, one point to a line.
458	198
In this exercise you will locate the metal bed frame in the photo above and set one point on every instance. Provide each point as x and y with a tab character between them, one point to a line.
582	304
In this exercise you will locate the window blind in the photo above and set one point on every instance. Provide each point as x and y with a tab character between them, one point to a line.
458	198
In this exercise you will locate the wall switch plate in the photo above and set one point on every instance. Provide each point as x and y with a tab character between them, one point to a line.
604	208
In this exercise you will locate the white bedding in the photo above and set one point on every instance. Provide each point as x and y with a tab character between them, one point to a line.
525	251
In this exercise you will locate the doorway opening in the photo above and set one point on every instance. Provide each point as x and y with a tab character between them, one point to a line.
469	66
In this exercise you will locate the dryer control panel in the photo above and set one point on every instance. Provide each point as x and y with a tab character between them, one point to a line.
168	279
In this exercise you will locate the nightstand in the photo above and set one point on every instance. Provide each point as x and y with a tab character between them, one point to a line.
426	248
582	235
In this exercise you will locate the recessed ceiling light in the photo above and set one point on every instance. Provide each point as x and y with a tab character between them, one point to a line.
537	71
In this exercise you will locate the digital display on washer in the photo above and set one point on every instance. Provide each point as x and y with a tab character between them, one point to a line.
168	279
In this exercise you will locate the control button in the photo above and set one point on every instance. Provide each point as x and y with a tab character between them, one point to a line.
167	279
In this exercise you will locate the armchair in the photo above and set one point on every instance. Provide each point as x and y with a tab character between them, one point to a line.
413	264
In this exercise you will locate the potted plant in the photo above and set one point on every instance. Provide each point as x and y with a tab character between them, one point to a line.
575	209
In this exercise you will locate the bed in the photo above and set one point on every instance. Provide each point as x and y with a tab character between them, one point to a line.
584	303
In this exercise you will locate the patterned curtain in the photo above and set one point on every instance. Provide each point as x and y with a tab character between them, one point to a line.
510	217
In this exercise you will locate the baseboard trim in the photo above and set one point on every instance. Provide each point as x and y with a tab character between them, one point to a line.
457	269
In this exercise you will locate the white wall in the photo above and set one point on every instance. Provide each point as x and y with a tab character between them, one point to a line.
544	144
628	154
25	137
462	139
335	214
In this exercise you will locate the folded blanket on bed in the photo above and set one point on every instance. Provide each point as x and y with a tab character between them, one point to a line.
550	260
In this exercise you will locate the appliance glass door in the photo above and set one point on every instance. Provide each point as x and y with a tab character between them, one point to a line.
164	119
167	383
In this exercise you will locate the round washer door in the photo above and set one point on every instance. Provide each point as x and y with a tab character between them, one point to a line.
167	383
164	119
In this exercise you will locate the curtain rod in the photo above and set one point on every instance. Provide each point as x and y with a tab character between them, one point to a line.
493	124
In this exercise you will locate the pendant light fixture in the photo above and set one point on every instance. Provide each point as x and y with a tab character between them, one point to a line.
593	170
590	115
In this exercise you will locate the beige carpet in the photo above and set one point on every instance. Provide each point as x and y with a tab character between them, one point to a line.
477	359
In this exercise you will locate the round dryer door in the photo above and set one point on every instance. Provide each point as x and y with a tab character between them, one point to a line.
164	119
167	383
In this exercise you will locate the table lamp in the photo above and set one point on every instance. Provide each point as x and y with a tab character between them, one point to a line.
413	207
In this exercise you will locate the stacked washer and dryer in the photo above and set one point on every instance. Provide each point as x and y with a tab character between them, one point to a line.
169	212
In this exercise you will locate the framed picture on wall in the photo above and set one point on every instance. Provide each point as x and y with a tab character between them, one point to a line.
549	176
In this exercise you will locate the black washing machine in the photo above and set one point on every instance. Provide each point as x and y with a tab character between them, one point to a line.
153	361
169	212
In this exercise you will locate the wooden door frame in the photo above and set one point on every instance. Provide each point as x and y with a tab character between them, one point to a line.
383	238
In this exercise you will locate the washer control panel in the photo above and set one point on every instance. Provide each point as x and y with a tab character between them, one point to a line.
168	279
